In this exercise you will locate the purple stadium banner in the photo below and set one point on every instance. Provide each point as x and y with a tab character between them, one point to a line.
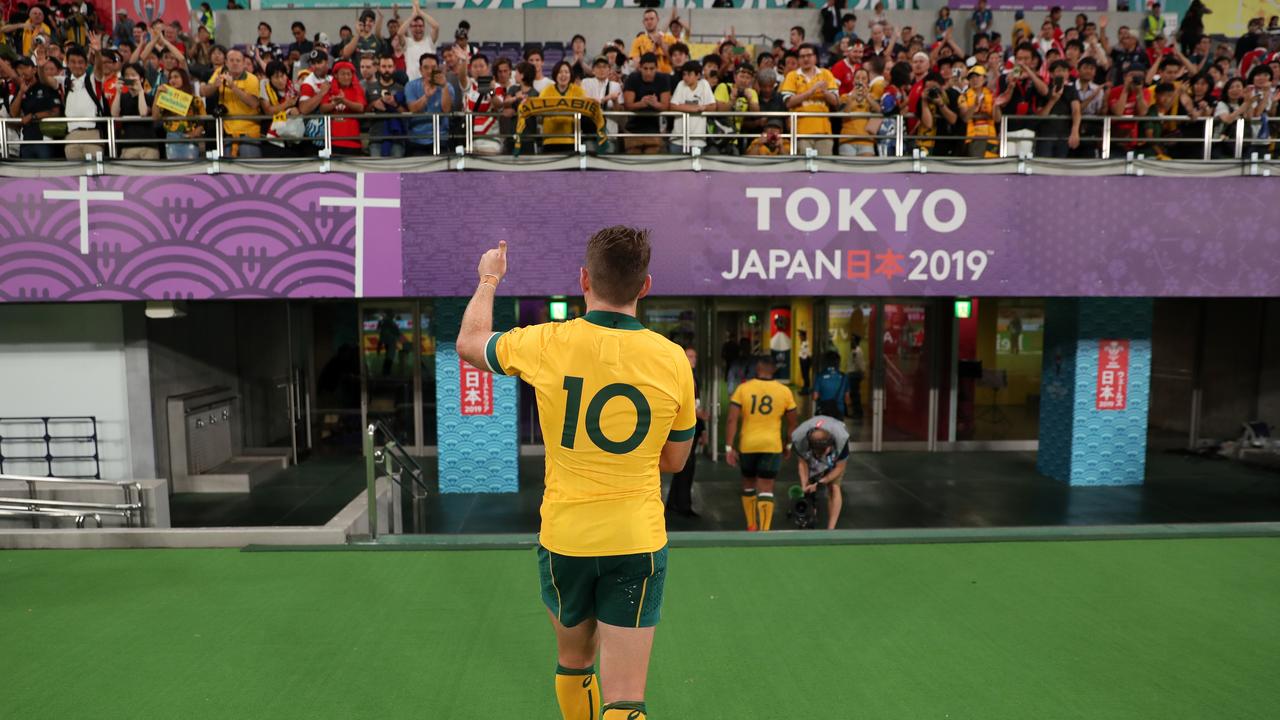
855	234
339	235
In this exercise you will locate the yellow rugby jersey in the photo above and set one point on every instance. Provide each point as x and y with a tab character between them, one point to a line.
764	403
610	395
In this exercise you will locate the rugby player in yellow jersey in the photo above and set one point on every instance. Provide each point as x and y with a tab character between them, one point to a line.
617	406
761	404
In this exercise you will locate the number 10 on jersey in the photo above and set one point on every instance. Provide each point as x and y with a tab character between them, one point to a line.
595	409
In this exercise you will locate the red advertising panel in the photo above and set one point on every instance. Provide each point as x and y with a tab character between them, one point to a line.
1113	374
477	390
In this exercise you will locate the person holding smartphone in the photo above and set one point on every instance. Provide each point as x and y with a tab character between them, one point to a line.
130	103
385	95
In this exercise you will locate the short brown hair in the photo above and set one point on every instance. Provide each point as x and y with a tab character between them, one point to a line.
618	263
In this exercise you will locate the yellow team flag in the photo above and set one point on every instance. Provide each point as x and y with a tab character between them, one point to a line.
173	100
562	105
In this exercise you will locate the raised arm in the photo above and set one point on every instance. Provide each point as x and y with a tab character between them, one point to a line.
477	321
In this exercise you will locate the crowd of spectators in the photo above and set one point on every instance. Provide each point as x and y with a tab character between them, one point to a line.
391	86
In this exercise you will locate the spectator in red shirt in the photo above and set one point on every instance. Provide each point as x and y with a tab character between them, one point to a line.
844	69
1130	98
345	98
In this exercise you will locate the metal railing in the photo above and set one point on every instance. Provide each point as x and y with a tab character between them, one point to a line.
52	442
132	510
403	471
461	138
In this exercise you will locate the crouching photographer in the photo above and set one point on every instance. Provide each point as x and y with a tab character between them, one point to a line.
821	446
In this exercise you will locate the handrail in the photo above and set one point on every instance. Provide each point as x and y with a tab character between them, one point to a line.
56	504
388	456
70	481
897	142
79	517
132	489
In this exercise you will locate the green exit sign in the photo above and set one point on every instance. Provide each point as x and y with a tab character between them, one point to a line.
559	310
964	308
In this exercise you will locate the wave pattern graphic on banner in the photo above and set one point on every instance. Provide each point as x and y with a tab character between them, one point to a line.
223	236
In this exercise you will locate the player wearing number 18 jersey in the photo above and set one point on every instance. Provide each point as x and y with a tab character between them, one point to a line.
761	404
616	405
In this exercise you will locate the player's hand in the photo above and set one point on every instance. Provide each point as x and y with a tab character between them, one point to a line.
786	453
731	457
494	262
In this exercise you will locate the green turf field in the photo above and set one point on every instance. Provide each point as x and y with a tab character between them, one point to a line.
1127	629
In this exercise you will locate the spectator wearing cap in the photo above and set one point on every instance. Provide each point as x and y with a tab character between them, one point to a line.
123	28
367	38
646	93
811	89
608	92
692	96
180	132
738	96
1127	55
39	98
426	94
980	113
237	90
420	34
199	50
654	41
1129	99
462	48
771	141
344	99
314	82
856	135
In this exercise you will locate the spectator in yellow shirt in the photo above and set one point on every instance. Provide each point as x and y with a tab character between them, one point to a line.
811	89
979	111
858	138
34	26
237	91
557	130
653	40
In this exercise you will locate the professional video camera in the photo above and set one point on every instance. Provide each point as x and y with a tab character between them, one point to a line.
804	508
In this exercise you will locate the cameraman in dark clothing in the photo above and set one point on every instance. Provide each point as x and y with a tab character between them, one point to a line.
1058	137
940	117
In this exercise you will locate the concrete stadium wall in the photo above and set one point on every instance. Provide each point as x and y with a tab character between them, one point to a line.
600	26
72	359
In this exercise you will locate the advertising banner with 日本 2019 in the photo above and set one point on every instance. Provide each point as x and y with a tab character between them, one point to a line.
761	233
